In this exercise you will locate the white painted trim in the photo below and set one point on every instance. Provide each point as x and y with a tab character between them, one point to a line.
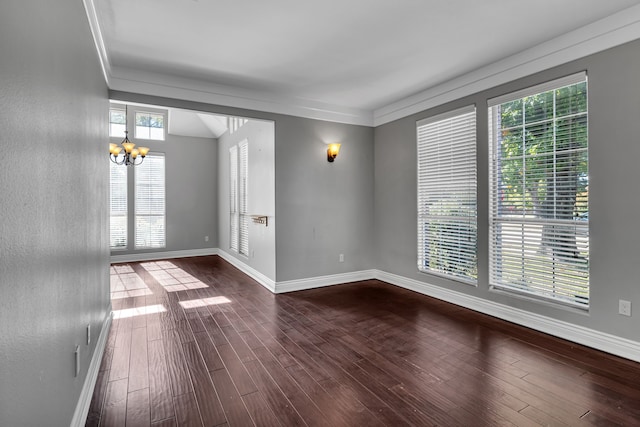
321	281
84	402
599	340
156	84
98	40
249	271
151	256
614	30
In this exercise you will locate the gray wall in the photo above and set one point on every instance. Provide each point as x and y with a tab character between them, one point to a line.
191	191
322	209
614	154
261	194
54	246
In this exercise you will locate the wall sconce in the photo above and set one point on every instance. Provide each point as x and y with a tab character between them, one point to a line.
332	152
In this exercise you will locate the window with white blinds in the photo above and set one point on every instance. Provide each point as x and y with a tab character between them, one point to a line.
118	206
150	202
238	203
243	166
539	192
447	188
233	198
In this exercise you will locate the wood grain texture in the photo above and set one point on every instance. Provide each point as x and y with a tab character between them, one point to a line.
195	342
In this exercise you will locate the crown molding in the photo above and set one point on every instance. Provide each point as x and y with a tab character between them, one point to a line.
614	30
98	40
156	84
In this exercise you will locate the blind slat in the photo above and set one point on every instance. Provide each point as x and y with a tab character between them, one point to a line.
150	202
447	185
118	206
539	237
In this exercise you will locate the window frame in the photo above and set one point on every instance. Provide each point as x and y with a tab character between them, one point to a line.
123	110
431	172
125	185
529	286
238	198
150	112
137	204
234	218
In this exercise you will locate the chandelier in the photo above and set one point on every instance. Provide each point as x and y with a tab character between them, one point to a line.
130	155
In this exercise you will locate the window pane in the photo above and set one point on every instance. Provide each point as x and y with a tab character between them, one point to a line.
150	202
243	164
447	208
117	122
149	126
234	219
539	217
118	206
117	130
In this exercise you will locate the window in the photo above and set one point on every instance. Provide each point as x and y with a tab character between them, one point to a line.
150	202
538	213
149	126
118	206
117	122
235	123
233	198
447	186
243	163
239	218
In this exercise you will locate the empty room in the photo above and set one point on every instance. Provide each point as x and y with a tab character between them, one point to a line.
360	213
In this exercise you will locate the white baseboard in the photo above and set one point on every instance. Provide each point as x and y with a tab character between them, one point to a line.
321	281
84	402
599	340
249	271
152	256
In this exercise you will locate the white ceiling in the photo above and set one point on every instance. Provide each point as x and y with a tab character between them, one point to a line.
346	56
191	123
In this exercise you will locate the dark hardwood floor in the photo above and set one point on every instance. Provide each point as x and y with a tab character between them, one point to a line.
196	342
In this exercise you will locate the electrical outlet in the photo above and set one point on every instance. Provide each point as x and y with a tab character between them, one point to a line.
206	238
624	307
341	258
88	334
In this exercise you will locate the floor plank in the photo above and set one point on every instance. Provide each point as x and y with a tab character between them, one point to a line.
196	342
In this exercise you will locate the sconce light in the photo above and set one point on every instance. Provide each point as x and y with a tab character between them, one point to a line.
332	152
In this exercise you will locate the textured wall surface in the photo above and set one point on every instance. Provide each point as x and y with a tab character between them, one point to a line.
323	209
54	248
614	196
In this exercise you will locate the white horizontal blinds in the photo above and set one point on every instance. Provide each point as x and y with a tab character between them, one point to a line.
118	206
150	202
243	165
447	187
539	210
233	198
